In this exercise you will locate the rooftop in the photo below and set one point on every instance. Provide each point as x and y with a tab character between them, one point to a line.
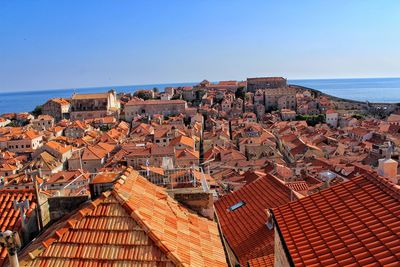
351	223
137	223
9	217
242	217
89	96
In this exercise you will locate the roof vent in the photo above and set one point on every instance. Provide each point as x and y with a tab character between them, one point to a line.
236	206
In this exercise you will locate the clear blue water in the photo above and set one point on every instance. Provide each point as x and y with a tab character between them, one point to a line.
384	90
28	100
373	89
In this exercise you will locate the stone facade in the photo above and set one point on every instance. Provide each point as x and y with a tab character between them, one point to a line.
90	106
280	98
152	107
43	122
58	108
265	83
24	144
279	253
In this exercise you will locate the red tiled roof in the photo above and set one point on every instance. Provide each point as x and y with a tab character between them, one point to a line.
89	96
298	186
244	228
353	223
154	102
262	261
107	177
190	240
100	234
137	224
9	217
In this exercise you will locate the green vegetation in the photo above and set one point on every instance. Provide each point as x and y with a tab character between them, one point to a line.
37	111
311	120
105	128
358	116
12	124
240	92
156	90
143	95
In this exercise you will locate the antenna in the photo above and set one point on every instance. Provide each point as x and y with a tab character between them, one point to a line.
389	150
22	206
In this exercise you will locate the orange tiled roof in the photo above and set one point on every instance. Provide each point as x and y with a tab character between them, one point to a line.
101	234
155	102
98	151
61	148
89	96
106	177
353	223
184	140
188	239
10	218
244	228
135	224
61	101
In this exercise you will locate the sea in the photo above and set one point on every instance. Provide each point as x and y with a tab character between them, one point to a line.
382	90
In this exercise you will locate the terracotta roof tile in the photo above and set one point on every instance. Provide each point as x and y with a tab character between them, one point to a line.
89	96
353	222
244	228
9	218
137	224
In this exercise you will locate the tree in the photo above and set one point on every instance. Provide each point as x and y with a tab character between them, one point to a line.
37	111
240	92
358	116
143	95
155	90
311	120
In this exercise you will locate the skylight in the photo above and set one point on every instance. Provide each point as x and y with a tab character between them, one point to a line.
236	206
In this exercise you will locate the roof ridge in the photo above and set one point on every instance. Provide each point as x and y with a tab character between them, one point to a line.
142	223
124	194
383	183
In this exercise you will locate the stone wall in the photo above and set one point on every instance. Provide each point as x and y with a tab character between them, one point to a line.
195	199
60	206
280	255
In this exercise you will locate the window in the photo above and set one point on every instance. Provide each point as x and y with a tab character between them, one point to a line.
236	206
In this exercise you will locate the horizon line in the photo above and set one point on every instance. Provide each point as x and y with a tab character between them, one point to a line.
172	83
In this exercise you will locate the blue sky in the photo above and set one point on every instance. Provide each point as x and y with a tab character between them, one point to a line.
67	44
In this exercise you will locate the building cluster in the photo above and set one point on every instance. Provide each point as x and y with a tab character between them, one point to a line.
234	173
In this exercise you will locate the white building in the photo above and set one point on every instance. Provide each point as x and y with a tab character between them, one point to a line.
332	118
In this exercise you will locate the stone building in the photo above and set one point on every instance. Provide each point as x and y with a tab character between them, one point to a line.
259	97
265	83
90	106
332	118
280	98
43	122
57	107
151	107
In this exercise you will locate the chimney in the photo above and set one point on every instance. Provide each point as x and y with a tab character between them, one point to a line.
270	222
12	242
